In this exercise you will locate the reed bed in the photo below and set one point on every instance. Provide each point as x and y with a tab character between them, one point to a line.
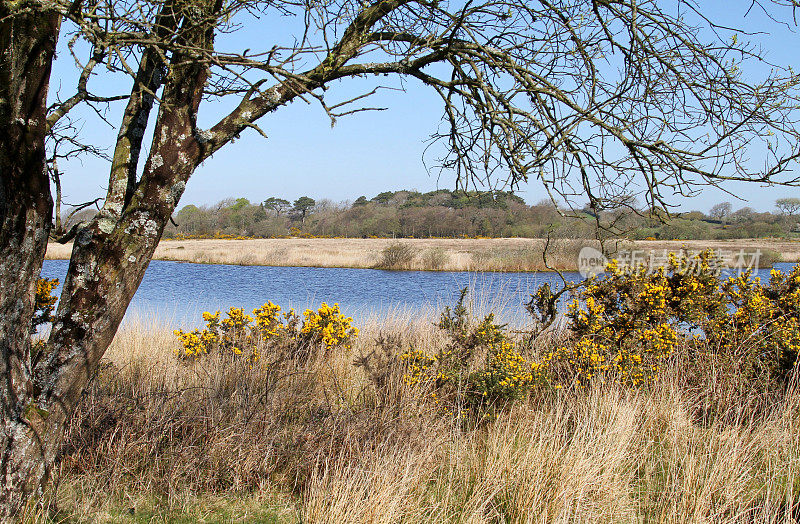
326	440
502	254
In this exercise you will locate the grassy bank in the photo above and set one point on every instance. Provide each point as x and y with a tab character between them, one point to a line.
503	254
322	439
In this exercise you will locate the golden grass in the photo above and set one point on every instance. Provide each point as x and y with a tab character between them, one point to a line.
501	254
610	456
318	441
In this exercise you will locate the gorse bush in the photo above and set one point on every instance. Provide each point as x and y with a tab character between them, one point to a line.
626	323
622	327
329	327
480	367
43	306
243	335
763	323
44	302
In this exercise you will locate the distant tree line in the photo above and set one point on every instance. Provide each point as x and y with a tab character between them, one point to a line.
440	213
443	213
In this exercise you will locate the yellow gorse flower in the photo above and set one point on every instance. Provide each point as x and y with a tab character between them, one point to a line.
328	326
242	334
44	301
626	323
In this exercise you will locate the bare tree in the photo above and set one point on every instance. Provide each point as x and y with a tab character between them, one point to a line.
720	211
788	206
591	98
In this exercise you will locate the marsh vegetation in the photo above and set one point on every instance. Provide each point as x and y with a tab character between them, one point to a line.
314	422
500	254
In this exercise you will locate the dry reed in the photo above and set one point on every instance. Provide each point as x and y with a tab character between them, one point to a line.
501	254
325	440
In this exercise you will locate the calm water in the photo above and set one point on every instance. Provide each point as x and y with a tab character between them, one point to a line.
179	292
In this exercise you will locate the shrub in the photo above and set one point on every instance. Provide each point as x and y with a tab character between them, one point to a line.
43	306
242	335
44	302
397	256
328	327
481	368
625	324
435	259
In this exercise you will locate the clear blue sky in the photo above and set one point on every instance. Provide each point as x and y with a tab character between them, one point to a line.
365	153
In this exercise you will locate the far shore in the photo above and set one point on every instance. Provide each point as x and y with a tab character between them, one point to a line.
498	254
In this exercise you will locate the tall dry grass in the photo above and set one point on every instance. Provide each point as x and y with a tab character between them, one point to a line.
325	440
609	456
501	254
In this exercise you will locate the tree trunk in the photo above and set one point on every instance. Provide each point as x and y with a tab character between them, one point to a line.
27	44
108	262
109	256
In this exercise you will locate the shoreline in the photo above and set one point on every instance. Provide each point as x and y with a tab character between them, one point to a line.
497	254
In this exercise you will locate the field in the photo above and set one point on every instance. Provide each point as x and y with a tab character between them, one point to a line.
503	254
324	441
450	416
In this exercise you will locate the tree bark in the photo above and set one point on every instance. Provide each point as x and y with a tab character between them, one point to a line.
109	259
110	255
27	45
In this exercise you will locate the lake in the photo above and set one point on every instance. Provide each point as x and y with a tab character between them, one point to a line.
178	292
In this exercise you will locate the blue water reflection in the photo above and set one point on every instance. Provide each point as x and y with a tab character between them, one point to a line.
178	292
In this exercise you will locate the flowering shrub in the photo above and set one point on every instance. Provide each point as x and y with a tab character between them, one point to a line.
763	325
419	366
329	327
480	367
43	305
44	302
241	334
622	328
626	323
508	375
